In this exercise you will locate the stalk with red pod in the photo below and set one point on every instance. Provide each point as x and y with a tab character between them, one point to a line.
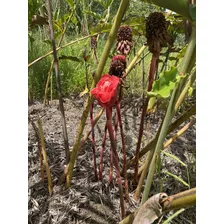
105	93
157	37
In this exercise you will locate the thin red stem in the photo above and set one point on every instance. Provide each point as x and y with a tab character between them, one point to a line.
102	151
93	141
123	149
150	82
111	153
115	159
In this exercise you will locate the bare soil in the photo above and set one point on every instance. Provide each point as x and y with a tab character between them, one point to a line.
88	201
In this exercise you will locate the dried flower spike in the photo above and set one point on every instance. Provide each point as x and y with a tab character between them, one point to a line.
118	66
124	40
156	32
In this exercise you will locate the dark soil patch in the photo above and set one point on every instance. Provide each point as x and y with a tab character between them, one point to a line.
88	201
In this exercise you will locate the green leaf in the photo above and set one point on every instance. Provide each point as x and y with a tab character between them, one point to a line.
63	19
151	104
177	178
93	14
70	3
74	20
172	58
165	84
192	10
174	157
101	28
190	91
72	58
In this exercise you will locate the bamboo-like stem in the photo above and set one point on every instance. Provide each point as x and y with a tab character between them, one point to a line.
168	117
102	151
76	146
58	82
179	133
171	128
161	138
115	158
170	141
109	43
185	90
181	200
59	48
39	148
187	62
52	63
133	62
144	169
47	82
144	109
111	37
45	157
93	142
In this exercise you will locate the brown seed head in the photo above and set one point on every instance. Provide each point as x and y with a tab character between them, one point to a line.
124	40
156	32
118	66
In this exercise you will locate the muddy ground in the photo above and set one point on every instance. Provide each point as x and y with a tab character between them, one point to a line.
88	201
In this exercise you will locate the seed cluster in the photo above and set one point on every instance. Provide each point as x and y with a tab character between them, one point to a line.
118	66
124	40
156	32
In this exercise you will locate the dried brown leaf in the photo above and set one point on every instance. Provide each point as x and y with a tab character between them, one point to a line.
150	210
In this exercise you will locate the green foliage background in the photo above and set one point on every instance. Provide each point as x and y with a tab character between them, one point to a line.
89	16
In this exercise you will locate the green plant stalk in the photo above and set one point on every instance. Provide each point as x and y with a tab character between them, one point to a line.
58	82
109	43
191	80
151	145
144	167
133	62
179	133
39	147
187	62
45	157
52	63
143	175
181	200
115	158
168	117
110	40
173	216
178	6
159	145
